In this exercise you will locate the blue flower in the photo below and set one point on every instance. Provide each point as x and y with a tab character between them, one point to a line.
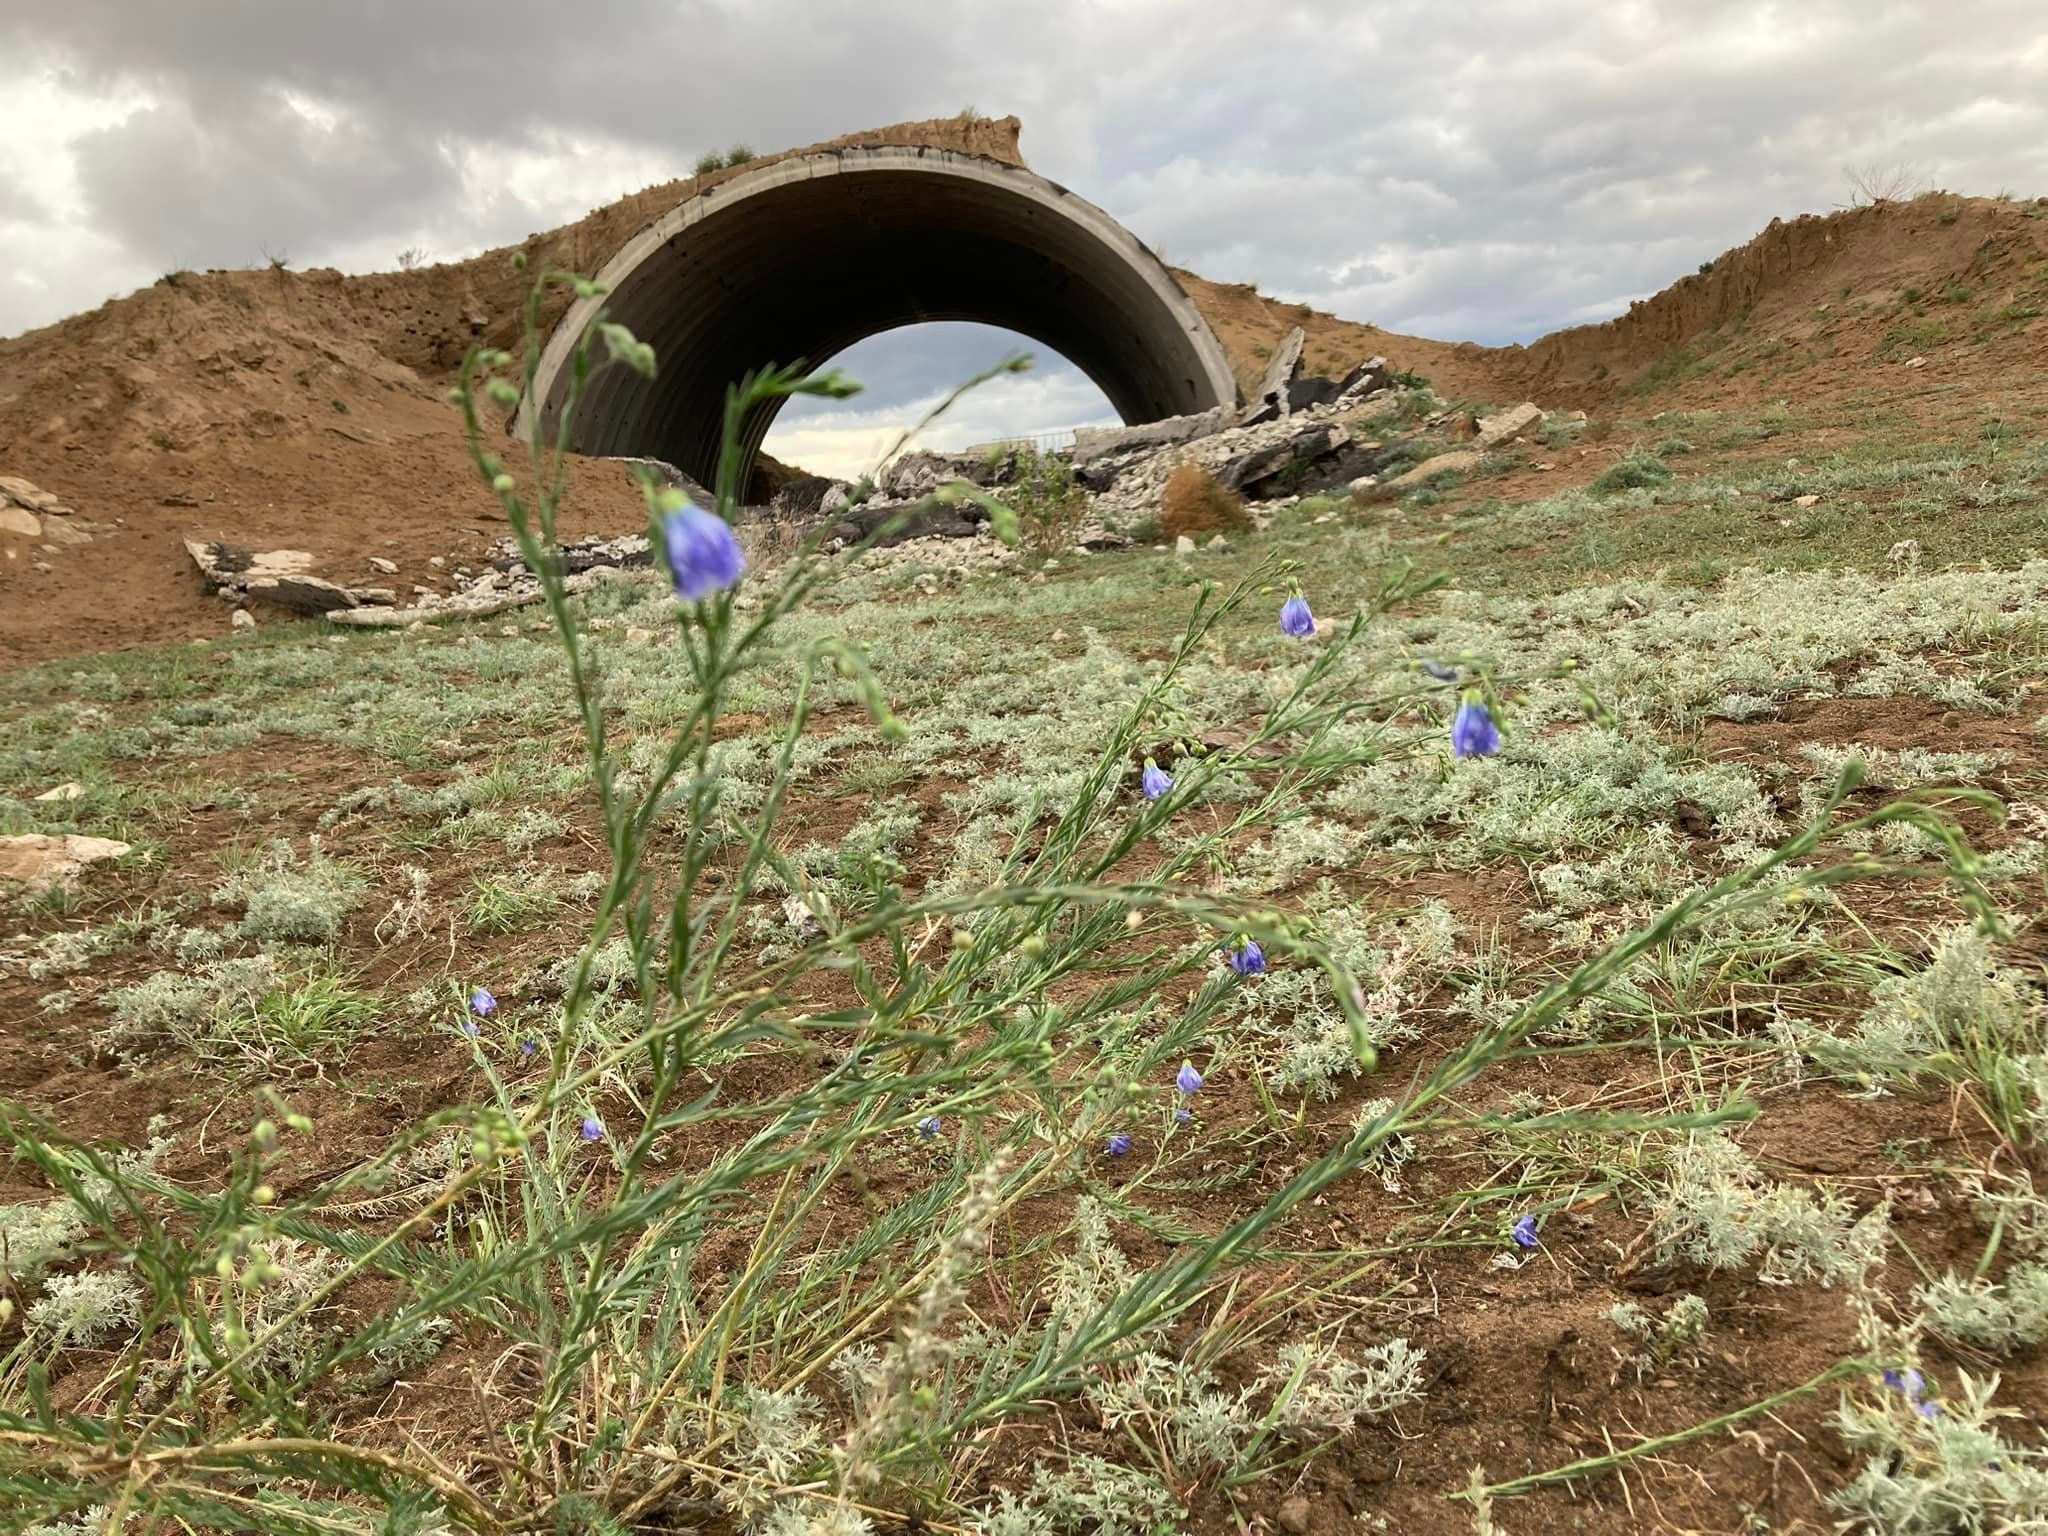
1188	1080
1118	1145
528	1047
1524	1232
1295	619
1440	672
1154	781
928	1127
1927	1409
593	1128
703	556
1910	1382
469	1028
1182	1114
1473	733
482	1001
1248	959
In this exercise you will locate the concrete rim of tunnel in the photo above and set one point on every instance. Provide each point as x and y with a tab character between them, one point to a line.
1216	383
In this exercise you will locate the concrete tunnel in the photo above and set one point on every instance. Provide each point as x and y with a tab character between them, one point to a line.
803	257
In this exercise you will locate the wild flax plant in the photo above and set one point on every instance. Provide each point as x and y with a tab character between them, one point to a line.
643	1243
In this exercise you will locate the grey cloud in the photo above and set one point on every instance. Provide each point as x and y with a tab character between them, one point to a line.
1486	173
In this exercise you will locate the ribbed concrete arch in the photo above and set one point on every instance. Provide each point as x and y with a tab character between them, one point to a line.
806	256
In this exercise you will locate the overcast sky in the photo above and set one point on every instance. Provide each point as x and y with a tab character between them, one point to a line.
1487	171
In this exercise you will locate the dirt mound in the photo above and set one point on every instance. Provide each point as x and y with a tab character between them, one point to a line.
306	409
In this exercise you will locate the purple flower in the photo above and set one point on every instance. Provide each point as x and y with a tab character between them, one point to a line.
703	556
469	1028
1295	619
1188	1080
1473	733
483	1003
1118	1145
1248	959
928	1127
1154	781
1524	1232
593	1128
1440	672
1914	1385
1182	1114
528	1047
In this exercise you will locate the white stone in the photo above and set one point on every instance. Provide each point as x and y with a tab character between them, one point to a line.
21	521
38	862
1183	545
386	567
242	618
1495	430
1808	500
72	790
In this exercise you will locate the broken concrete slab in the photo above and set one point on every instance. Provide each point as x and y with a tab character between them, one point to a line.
1497	429
1091	443
1282	369
1374	373
301	594
1250	470
36	862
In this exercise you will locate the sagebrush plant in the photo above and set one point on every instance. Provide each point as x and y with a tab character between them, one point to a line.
1006	1027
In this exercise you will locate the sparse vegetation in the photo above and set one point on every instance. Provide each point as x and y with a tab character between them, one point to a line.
1195	502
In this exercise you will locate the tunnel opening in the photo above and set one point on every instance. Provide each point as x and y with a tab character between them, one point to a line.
804	257
906	372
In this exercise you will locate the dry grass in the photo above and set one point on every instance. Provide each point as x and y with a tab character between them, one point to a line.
1195	502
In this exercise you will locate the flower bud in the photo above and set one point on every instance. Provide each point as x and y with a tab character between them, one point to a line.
962	939
519	261
264	1135
1033	945
502	484
264	1195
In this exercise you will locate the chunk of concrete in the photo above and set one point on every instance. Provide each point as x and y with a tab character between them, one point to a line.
1091	443
36	862
1282	369
1443	463
1497	429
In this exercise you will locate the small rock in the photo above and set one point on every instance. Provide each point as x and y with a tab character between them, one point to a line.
21	521
1218	542
1183	545
1808	500
1293	1516
1058	635
72	790
37	862
1916	362
1546	467
242	618
1363	484
436	561
58	531
635	635
386	567
1905	552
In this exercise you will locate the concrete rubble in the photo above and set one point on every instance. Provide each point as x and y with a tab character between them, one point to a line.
35	862
34	515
